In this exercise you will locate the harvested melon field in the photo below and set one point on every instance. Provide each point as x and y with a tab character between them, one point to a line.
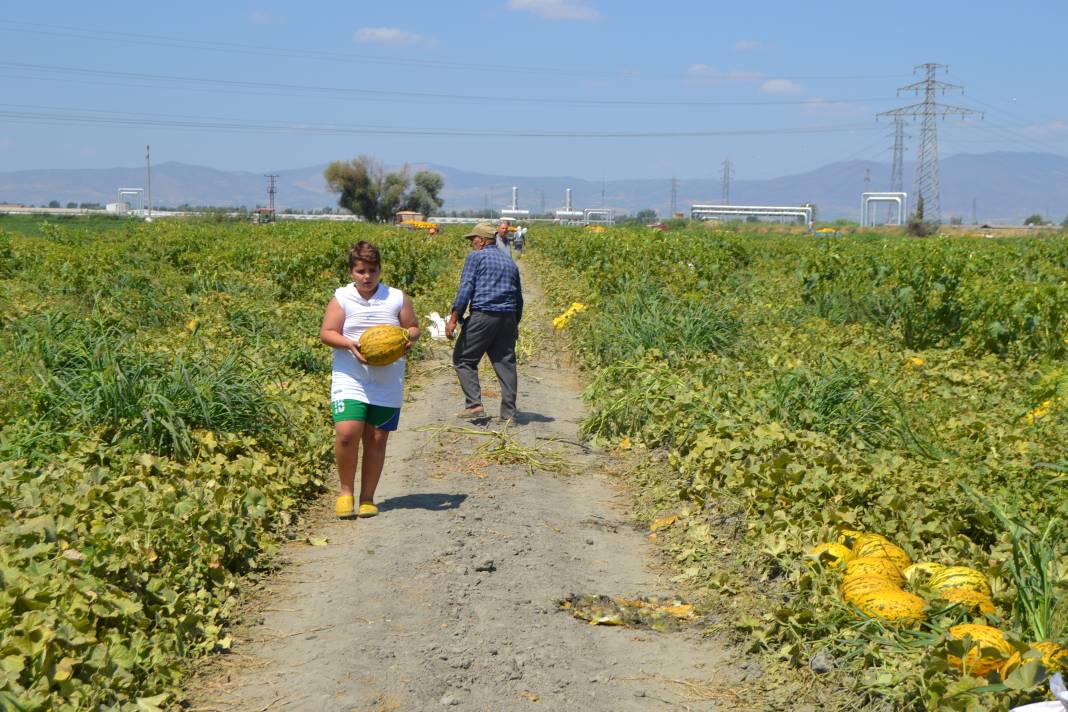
749	472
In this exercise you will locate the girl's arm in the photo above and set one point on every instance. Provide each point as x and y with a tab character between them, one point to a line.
330	332
409	321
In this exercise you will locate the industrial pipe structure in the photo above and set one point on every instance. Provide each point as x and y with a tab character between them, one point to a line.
568	214
514	212
139	193
598	216
705	212
898	198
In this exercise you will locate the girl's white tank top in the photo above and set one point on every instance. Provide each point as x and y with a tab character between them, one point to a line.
377	385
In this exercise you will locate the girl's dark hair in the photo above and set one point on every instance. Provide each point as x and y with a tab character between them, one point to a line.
364	251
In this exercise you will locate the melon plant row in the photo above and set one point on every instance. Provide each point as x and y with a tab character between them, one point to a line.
803	388
162	406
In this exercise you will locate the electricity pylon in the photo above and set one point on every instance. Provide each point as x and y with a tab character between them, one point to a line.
927	184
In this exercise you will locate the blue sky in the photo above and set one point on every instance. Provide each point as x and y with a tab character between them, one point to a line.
585	88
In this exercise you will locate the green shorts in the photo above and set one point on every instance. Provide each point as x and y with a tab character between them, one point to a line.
380	416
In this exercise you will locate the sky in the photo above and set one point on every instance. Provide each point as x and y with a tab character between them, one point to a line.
595	89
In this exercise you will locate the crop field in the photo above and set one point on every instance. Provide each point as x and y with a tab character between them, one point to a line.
162	405
806	391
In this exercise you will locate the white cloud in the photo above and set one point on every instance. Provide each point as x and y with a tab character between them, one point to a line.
819	105
705	72
266	17
751	45
386	35
1050	127
556	9
780	86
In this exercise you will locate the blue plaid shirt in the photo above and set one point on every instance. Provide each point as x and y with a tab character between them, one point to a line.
489	282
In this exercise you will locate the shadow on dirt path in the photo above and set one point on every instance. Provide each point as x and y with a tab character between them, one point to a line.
448	598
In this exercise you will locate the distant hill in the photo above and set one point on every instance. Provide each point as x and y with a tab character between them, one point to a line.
1006	187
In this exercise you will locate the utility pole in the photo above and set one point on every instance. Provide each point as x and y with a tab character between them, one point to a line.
867	180
927	182
541	195
674	196
604	186
728	171
148	180
271	190
974	221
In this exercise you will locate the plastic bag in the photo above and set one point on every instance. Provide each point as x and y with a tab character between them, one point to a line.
1058	704
437	326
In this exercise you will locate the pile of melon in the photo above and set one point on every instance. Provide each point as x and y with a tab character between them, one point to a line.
876	573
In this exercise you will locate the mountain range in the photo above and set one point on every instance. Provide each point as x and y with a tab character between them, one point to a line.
1003	187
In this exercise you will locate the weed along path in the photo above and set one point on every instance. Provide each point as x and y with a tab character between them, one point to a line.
451	597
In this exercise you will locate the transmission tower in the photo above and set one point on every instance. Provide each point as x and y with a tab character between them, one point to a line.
674	196
728	171
897	168
927	187
271	191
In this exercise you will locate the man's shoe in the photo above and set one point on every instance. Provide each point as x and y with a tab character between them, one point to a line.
472	413
343	506
367	509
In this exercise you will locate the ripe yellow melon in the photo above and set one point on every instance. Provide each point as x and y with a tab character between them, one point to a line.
383	344
832	554
969	599
874	566
857	585
960	577
883	549
892	605
991	650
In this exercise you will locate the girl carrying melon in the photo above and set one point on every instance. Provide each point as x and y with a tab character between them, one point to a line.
366	399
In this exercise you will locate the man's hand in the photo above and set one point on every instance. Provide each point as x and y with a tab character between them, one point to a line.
450	326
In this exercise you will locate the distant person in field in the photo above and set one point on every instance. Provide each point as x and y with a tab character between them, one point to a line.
519	240
504	239
366	400
490	288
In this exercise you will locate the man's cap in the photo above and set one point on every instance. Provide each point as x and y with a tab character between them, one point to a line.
483	229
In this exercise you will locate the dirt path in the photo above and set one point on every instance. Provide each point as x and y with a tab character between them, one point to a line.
448	598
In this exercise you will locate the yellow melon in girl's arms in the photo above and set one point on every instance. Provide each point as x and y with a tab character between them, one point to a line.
383	344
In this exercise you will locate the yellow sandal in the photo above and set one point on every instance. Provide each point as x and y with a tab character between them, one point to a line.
343	506
367	509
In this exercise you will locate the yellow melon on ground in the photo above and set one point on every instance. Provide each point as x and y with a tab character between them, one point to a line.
918	571
1054	655
893	606
990	651
969	599
883	549
960	577
874	566
858	584
831	553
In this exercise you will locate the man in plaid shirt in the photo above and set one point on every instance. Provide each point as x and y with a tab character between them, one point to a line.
490	287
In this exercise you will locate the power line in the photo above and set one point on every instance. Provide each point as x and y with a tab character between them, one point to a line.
67	115
214	46
302	90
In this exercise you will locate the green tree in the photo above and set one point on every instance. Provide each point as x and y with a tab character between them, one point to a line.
425	196
53	203
368	190
645	216
1035	219
1064	223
